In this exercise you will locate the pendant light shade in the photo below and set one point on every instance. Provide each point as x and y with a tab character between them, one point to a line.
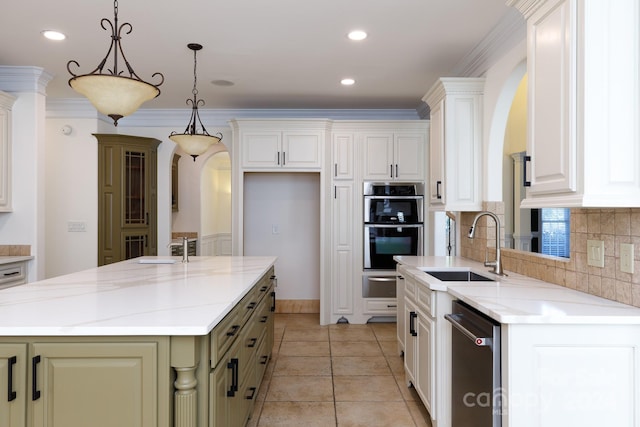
195	140
108	90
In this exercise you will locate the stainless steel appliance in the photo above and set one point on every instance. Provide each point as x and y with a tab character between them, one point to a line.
475	368
393	222
393	225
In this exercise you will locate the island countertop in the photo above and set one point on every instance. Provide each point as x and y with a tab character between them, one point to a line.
520	299
138	297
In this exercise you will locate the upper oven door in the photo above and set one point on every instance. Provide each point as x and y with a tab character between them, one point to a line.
393	210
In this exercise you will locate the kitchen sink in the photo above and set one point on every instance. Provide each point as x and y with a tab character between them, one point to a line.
458	276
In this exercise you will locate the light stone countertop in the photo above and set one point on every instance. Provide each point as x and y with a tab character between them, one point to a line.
11	259
520	299
132	298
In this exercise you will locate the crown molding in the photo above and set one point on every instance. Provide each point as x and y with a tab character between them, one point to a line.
510	31
24	79
178	118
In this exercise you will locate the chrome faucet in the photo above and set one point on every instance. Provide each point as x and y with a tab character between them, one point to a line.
497	264
185	248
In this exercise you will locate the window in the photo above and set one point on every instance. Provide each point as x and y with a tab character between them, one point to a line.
550	228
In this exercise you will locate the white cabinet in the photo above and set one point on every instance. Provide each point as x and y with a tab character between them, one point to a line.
455	150
342	244
394	156
343	154
292	149
6	103
427	342
583	103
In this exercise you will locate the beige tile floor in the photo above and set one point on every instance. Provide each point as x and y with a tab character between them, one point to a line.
338	375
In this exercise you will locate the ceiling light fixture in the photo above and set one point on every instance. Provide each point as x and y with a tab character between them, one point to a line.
347	82
192	142
112	93
53	35
357	35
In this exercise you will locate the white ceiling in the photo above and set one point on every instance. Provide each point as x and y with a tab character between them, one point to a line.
279	53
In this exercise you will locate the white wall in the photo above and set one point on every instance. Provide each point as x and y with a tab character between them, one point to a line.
282	218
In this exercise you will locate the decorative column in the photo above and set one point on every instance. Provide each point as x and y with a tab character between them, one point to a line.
185	352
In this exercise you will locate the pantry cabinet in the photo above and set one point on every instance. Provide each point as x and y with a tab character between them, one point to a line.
393	156
127	197
455	150
6	103
343	251
583	103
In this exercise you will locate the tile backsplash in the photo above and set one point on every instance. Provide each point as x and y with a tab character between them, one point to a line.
15	250
613	226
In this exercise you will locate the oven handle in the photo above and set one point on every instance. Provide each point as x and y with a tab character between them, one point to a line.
381	279
479	341
416	197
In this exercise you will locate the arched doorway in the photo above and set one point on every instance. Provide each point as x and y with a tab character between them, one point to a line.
215	205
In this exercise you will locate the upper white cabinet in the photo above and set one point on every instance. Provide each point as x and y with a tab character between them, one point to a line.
343	156
394	156
6	103
455	150
583	102
276	144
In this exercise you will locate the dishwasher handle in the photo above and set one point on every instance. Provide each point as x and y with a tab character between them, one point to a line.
479	341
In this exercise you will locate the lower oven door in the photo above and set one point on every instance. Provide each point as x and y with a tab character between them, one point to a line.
383	242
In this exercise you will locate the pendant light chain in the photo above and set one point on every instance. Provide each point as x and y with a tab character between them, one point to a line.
195	75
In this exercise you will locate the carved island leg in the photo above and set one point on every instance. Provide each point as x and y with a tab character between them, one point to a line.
185	359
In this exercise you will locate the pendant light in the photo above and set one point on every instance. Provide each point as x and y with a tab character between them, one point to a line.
112	93
195	140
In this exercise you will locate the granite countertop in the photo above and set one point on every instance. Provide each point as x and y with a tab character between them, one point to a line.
11	259
161	296
520	299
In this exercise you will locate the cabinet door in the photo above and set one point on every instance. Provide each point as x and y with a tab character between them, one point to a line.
261	150
551	64
5	155
425	362
13	378
301	150
378	156
409	158
400	318
410	340
94	384
343	156
342	247
436	156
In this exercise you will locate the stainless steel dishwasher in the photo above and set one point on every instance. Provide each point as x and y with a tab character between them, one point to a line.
475	368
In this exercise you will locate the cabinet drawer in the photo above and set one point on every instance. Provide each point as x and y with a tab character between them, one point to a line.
409	287
425	299
380	306
13	274
223	336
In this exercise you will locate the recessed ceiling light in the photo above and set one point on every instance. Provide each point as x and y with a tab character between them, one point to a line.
222	83
53	35
347	82
357	35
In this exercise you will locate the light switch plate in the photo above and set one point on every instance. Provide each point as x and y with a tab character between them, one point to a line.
595	253
626	257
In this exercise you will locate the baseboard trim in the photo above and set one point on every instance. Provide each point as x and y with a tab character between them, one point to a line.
298	306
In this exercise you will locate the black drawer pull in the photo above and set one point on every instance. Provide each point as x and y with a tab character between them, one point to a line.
252	342
252	394
392	306
11	394
13	273
438	195
34	378
252	305
264	288
273	301
264	359
233	365
264	319
233	330
412	328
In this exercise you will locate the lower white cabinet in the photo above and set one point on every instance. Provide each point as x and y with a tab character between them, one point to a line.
426	339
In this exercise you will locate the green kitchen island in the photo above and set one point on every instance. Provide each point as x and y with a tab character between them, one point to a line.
145	342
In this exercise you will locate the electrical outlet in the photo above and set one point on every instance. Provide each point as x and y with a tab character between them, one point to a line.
76	226
626	257
595	253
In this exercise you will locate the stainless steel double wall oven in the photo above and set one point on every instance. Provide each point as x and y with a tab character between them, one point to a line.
393	225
